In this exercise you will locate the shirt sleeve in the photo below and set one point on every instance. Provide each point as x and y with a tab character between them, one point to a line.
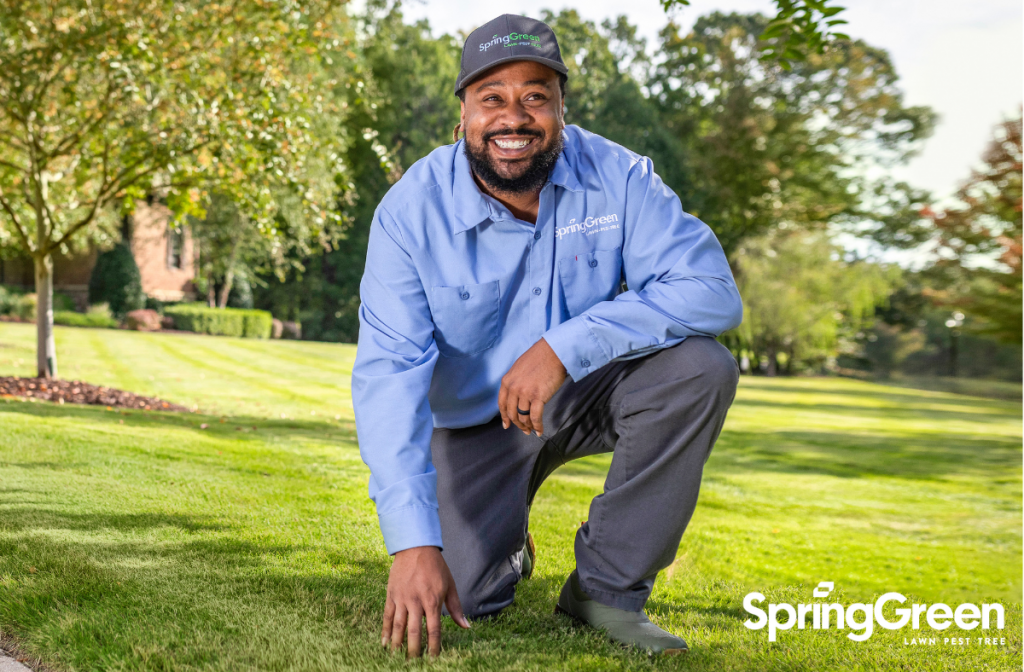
679	280
395	359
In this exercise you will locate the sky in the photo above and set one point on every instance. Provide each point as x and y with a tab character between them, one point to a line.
962	59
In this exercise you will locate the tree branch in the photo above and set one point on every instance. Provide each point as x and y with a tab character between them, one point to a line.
17	223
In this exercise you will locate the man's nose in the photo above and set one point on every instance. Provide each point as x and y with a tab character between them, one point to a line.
516	115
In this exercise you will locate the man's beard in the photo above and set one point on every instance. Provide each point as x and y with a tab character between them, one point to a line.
532	179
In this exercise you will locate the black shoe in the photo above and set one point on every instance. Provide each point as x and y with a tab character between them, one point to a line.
630	628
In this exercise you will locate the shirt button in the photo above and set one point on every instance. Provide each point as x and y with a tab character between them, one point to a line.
584	363
593	263
465	295
536	235
536	290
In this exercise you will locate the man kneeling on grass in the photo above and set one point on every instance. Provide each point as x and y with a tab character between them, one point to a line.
527	252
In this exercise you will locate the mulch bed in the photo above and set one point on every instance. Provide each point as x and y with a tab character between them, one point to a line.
77	392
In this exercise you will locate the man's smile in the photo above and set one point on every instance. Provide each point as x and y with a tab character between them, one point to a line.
506	143
510	148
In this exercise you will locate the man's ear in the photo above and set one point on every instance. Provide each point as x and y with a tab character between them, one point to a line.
461	126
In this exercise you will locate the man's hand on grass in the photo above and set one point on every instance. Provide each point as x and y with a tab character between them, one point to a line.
529	384
419	583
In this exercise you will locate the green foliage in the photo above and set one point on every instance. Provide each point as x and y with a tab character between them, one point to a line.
202	319
401	106
154	304
116	281
800	297
607	68
800	28
9	297
982	237
102	104
763	145
18	303
62	301
176	99
241	293
69	318
910	336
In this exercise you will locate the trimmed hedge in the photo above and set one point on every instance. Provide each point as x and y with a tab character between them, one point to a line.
202	319
70	318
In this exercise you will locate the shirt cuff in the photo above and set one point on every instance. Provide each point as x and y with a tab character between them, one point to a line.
576	346
410	527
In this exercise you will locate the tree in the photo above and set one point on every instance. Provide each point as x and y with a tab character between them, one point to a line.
102	103
800	297
401	106
980	239
608	66
800	28
764	145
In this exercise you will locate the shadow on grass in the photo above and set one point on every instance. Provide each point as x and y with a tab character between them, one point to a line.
194	603
235	427
15	518
43	465
903	412
891	397
851	455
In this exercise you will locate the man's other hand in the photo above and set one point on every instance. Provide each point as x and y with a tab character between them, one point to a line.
529	384
419	583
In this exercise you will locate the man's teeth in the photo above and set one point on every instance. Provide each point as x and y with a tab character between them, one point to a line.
512	144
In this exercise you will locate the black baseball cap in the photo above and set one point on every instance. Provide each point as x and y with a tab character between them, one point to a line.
508	38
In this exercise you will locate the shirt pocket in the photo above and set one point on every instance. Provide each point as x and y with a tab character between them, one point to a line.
590	277
465	318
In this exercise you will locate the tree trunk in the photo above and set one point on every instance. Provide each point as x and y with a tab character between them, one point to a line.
773	363
225	290
46	347
211	296
229	274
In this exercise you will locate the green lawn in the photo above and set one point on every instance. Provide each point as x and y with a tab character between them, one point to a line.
137	540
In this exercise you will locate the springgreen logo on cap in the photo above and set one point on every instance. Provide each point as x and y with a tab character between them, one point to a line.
513	40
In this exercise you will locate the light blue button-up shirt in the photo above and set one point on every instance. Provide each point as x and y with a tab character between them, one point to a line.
456	289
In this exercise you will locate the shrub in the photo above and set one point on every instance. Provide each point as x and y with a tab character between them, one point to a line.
143	320
100	309
154	304
116	281
62	301
25	307
240	295
6	300
202	319
72	319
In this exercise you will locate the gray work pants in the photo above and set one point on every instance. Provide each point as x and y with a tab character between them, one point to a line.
660	416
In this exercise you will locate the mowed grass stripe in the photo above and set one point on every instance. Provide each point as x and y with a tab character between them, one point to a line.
243	363
231	373
334	361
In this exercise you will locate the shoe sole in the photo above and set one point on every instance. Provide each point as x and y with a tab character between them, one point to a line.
666	652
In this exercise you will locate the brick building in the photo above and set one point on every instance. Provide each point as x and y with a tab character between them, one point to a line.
165	258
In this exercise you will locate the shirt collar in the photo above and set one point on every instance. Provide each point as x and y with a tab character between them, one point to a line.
471	206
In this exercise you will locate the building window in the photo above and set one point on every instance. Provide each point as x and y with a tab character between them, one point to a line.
175	248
